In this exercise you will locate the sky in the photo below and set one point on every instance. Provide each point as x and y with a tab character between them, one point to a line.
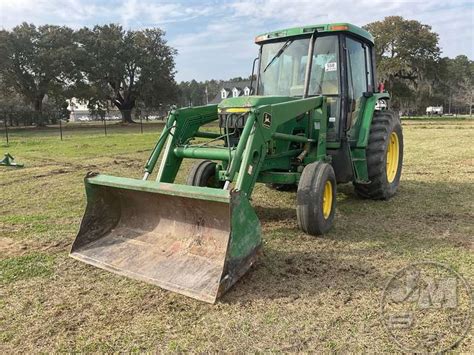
215	39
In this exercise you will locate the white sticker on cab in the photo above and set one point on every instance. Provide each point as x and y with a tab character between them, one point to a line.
331	66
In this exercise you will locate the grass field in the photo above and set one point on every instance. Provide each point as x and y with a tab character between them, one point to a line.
434	119
305	293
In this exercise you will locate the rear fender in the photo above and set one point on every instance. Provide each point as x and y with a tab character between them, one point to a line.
359	133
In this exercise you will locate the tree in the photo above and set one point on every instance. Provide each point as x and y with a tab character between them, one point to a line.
37	61
194	93
10	103
125	67
407	55
460	81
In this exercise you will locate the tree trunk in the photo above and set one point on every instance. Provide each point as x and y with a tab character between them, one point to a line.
449	110
38	104
125	107
470	106
38	113
126	116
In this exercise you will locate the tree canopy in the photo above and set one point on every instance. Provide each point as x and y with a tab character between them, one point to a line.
102	65
134	69
37	61
409	63
125	66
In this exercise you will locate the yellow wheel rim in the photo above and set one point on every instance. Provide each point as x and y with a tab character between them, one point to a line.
393	152
327	199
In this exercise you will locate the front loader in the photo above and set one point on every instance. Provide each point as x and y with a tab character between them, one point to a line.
312	123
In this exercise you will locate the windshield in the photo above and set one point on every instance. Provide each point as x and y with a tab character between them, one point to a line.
283	67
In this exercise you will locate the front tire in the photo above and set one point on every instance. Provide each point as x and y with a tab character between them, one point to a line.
316	198
384	157
203	173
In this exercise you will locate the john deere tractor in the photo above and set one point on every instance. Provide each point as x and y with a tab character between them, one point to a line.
311	122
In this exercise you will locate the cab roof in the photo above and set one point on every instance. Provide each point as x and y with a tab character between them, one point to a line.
328	27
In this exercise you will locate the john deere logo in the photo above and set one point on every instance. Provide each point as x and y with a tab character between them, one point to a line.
267	119
426	307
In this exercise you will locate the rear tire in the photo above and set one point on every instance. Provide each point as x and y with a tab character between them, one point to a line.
384	157
316	198
203	173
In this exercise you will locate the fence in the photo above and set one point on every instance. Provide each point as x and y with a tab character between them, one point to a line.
15	123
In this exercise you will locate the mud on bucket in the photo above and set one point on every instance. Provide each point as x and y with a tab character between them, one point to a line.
196	241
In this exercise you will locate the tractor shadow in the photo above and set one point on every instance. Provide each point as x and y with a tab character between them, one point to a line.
273	214
280	275
370	240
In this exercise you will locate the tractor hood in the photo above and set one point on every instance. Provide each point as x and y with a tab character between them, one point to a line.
252	101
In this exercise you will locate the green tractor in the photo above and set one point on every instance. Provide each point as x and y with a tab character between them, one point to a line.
314	121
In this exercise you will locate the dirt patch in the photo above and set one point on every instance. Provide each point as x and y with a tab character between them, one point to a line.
129	163
68	168
53	172
11	248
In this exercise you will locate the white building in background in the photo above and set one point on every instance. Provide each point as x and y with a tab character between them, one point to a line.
434	110
79	110
233	89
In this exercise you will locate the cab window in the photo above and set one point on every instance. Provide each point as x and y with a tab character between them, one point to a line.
357	77
282	67
324	78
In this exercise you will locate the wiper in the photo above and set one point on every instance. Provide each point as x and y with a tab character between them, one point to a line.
278	54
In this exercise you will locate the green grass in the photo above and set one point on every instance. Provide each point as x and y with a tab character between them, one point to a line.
26	266
438	119
304	294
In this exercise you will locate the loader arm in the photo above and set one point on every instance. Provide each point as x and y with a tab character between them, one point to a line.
181	126
262	125
248	160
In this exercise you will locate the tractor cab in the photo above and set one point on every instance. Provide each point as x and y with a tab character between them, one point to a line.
334	60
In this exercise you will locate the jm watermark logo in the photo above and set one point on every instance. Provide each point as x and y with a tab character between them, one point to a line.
427	307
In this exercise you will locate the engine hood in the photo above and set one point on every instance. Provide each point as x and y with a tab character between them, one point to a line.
247	102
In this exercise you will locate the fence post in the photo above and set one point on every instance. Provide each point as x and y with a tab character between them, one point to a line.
105	125
141	124
60	129
6	128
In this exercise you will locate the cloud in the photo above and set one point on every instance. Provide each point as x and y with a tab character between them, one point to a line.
129	13
46	11
232	35
144	13
215	38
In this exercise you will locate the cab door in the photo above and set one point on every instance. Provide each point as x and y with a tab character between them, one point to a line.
359	78
325	79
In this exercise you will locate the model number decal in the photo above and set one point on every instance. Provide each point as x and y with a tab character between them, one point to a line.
267	119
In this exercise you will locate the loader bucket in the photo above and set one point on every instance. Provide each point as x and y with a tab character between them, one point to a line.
196	241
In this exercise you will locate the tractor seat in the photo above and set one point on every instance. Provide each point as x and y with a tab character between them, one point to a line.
329	87
297	90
